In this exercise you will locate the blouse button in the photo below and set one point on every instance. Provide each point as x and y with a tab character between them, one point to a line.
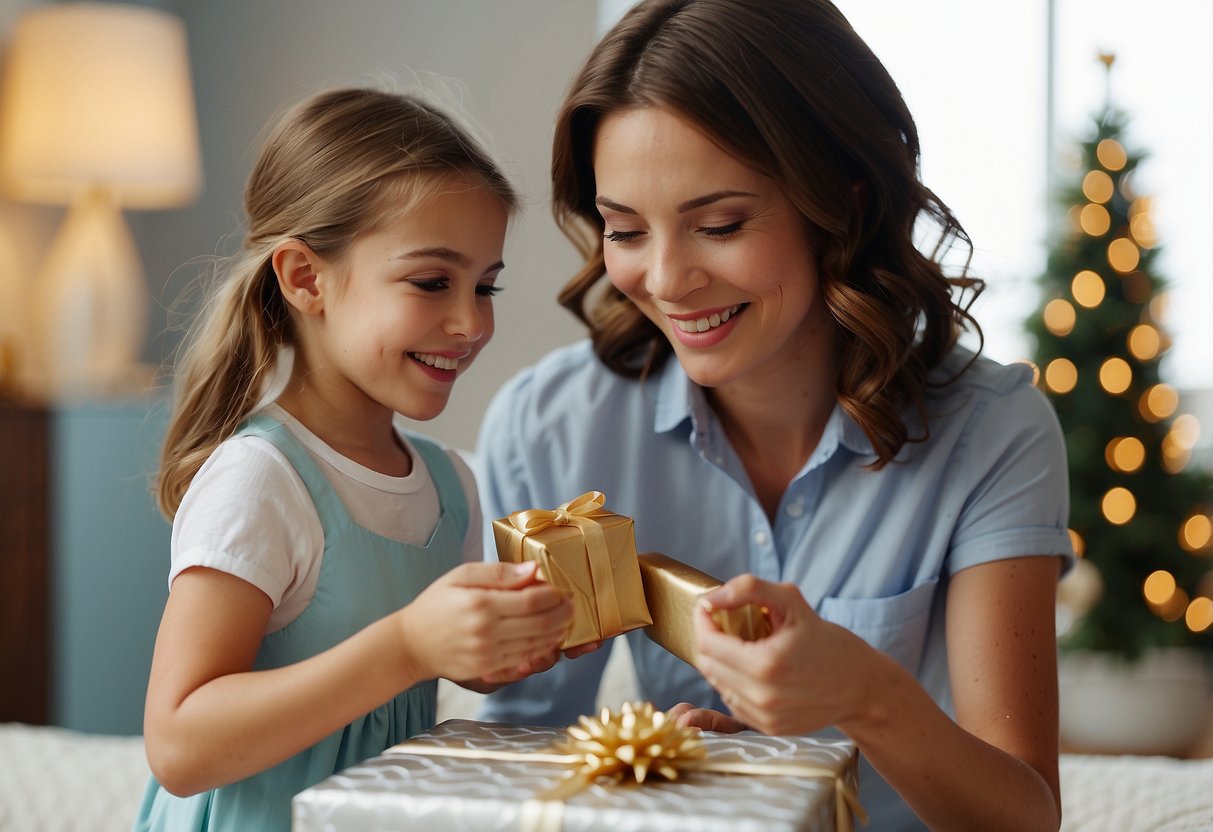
795	510
760	538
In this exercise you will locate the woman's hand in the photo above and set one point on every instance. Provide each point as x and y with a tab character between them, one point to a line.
686	715
806	675
492	621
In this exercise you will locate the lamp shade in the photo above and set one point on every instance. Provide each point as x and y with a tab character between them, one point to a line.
99	94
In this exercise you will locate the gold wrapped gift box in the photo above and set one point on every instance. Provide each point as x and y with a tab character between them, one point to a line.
672	590
588	552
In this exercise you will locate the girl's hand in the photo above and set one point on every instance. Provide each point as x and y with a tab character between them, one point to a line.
484	620
803	677
493	681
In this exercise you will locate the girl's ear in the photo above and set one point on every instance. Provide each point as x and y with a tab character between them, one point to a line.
296	267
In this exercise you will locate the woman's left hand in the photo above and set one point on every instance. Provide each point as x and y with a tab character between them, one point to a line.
804	676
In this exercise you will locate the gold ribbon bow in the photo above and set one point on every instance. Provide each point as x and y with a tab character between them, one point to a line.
581	512
631	744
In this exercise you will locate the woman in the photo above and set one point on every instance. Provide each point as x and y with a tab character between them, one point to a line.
773	386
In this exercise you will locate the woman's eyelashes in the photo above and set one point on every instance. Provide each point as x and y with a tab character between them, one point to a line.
488	290
716	232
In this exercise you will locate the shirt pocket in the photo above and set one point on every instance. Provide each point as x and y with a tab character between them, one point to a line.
896	625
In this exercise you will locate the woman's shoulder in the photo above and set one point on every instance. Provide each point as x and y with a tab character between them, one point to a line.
981	395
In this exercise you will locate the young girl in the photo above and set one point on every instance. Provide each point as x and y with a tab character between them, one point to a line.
316	585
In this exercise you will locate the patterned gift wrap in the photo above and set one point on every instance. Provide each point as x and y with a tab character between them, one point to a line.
502	773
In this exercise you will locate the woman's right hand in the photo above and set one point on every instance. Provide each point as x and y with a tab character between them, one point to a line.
484	620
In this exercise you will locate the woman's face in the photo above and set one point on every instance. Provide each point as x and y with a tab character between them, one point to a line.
711	250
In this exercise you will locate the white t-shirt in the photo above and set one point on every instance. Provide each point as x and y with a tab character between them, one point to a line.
248	513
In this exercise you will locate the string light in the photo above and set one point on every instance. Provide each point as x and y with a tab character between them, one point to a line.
1094	220
1144	341
1061	375
1157	403
1087	288
1111	154
1097	186
1079	545
1199	616
1119	506
1142	229
1174	455
1060	317
1159	587
1175	607
1185	431
1125	454
1136	287
1123	255
1158	307
1195	533
1115	375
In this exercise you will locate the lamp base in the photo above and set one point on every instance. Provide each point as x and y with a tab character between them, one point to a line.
90	302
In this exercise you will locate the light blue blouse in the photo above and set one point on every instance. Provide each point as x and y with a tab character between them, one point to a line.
870	550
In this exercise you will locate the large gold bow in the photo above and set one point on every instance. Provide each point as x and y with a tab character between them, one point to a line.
581	512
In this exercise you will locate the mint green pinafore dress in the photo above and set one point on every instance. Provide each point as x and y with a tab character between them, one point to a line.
363	577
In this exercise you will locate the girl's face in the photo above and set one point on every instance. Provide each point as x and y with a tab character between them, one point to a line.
413	305
711	250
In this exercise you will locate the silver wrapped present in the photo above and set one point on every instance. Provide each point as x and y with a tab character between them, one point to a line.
465	775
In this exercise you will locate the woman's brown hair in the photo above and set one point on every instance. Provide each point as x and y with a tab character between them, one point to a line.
331	169
789	88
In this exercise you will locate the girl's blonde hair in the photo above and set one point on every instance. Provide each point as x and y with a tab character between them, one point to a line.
324	176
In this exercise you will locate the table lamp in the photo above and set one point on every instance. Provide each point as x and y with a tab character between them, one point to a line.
97	114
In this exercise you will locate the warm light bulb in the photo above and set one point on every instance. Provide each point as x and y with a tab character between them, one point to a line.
1097	186
1115	375
1125	453
1144	342
1076	541
1087	288
1175	606
1185	431
1061	375
1119	506
1111	154
1094	220
1123	255
1142	229
1158	402
1199	615
1159	587
1195	533
1060	317
1158	307
1174	456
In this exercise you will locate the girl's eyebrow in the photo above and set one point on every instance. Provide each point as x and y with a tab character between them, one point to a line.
449	255
690	204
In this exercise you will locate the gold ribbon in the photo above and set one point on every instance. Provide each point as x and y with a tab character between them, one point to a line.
636	741
581	512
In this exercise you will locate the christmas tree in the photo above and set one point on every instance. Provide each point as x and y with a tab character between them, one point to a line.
1139	514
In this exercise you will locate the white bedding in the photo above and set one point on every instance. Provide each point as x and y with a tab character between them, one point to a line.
55	780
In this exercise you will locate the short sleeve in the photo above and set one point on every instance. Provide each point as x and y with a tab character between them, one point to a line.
1018	491
247	513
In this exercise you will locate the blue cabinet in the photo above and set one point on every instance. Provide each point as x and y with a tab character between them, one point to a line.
110	562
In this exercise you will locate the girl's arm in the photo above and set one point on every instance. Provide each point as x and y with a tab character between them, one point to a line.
993	768
211	720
